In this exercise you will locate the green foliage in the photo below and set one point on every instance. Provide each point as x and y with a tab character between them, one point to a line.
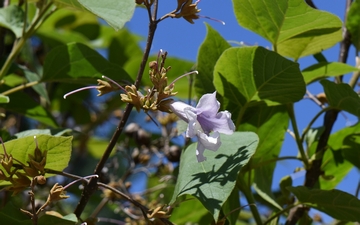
335	203
115	13
79	63
325	69
342	97
12	17
213	181
259	86
294	28
352	23
209	52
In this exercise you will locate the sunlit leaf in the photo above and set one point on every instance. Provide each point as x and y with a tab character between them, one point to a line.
58	150
254	74
12	17
342	97
77	62
115	13
209	52
325	69
294	28
213	181
338	204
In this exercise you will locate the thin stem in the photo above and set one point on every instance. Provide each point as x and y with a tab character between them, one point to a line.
246	190
290	108
308	127
277	214
20	87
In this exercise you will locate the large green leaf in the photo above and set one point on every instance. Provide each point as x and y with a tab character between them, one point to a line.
77	62
351	149
58	155
326	69
342	96
213	181
231	208
23	104
338	204
280	21
270	124
12	17
209	52
115	13
254	74
353	23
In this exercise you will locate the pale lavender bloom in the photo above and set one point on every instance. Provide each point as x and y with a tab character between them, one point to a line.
203	120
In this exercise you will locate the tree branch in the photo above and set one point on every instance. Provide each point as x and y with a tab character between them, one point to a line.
313	174
92	186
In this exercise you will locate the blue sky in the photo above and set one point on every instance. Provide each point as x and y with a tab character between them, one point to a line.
182	39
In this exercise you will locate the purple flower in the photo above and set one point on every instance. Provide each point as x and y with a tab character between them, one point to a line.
204	122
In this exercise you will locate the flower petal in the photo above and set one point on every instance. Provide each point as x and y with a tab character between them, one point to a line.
208	106
200	152
178	108
211	142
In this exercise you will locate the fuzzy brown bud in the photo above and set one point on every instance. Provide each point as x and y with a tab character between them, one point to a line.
57	193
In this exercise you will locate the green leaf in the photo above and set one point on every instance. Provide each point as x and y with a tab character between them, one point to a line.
70	4
270	124
342	96
79	63
308	43
353	23
23	104
189	210
281	21
39	88
334	163
34	132
46	219
338	204
213	181
12	17
231	207
4	99
254	74
325	69
209	52
11	215
351	149
115	13
58	155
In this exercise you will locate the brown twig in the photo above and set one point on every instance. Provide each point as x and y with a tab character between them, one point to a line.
92	186
314	172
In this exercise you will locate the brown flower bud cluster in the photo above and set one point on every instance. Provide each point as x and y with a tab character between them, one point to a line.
157	94
19	174
187	10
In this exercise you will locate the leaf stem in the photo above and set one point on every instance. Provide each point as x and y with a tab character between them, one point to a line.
20	87
313	121
290	108
246	190
277	214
